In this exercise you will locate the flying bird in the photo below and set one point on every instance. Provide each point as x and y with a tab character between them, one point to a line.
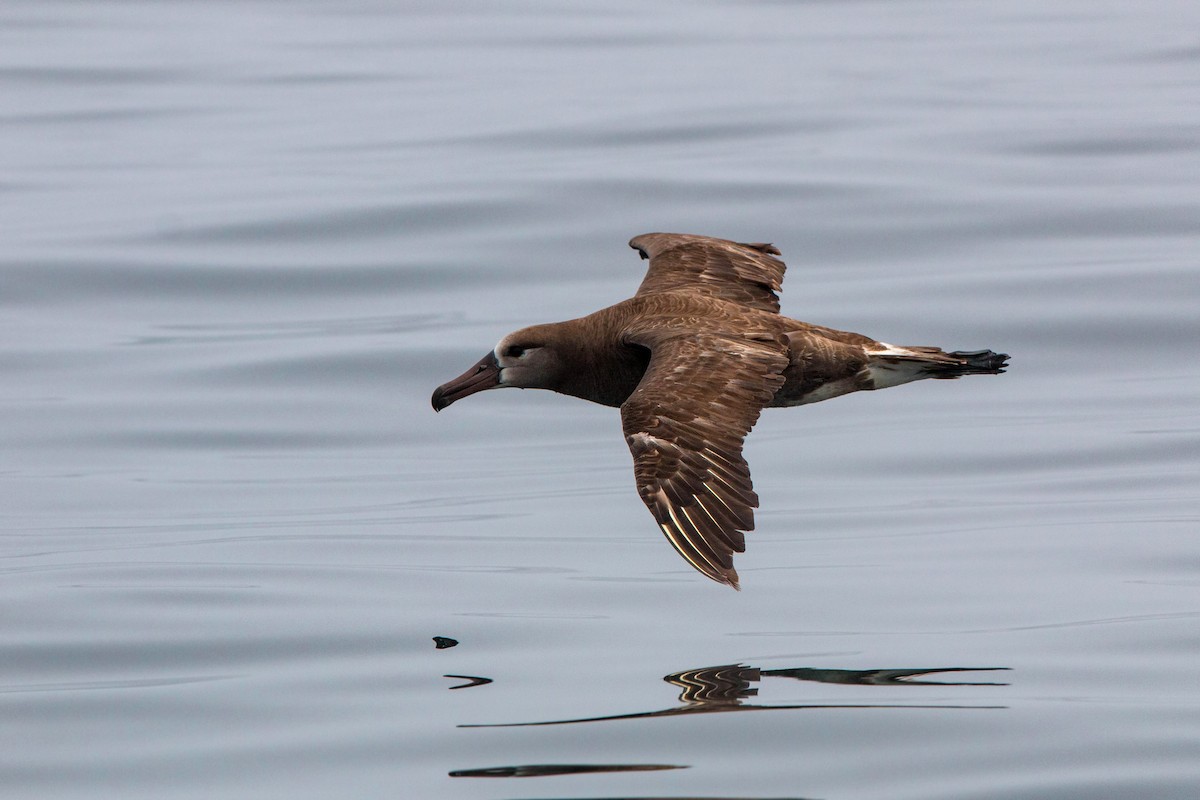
691	360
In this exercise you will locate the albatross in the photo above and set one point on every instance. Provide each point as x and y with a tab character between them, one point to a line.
691	360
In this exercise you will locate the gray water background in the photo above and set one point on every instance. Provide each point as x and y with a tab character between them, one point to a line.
244	241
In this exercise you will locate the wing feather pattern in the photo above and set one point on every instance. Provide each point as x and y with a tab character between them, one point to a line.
741	272
685	424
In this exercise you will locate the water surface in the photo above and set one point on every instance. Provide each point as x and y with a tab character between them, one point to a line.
243	244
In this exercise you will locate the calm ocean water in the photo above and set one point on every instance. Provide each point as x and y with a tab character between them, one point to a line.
244	241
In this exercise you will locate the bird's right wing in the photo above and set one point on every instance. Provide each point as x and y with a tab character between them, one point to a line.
685	423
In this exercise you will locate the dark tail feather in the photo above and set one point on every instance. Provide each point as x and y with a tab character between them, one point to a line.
971	362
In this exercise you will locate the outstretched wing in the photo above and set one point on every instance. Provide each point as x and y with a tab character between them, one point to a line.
701	394
741	273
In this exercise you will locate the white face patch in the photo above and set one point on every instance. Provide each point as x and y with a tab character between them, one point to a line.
496	352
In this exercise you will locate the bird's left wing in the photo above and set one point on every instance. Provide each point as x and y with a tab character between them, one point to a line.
747	273
685	423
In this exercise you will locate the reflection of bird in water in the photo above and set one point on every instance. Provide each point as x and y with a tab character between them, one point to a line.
544	770
471	681
720	689
727	685
730	684
691	360
555	770
880	677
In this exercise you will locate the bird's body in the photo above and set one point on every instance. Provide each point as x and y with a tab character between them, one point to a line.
691	360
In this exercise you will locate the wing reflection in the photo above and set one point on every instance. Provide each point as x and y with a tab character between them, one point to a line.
881	677
543	770
710	690
471	680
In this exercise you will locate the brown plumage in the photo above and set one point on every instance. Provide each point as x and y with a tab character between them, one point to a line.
691	360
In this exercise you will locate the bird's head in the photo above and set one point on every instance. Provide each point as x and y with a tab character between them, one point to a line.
526	359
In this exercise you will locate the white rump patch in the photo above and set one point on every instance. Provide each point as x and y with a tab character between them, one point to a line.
885	374
886	349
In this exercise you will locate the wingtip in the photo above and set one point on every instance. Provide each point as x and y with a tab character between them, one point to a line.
730	579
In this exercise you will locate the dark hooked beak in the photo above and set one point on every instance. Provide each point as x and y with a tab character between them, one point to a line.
484	375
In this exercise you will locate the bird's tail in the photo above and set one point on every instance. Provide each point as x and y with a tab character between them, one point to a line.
970	362
892	366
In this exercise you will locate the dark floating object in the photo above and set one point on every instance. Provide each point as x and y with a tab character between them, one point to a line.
471	680
544	770
691	360
711	690
444	642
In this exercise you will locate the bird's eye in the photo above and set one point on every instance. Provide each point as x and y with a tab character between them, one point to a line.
515	351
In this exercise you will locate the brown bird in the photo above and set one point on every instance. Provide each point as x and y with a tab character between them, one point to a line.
691	360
